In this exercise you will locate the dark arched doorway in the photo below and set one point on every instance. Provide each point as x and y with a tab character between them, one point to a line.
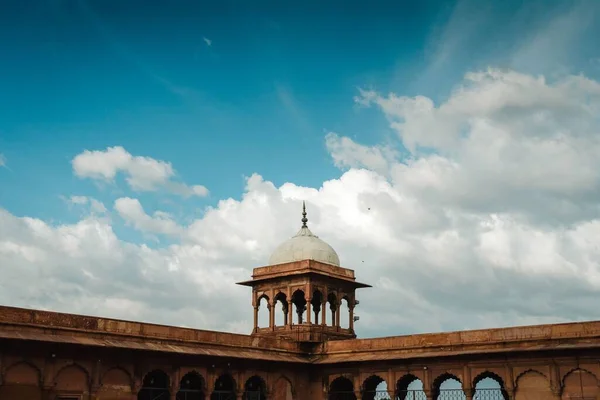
224	388
341	389
155	386
191	387
255	389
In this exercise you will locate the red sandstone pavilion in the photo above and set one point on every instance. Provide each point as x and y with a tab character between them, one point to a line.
307	356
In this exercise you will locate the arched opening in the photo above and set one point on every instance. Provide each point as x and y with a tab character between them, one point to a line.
281	309
580	384
341	389
263	311
333	306
489	386
191	387
255	389
375	388
316	302
345	313
224	388
409	387
532	385
21	381
299	302
448	387
155	386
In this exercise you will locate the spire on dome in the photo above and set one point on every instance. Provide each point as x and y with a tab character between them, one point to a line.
304	219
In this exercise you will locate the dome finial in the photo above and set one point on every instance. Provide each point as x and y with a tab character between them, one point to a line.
304	219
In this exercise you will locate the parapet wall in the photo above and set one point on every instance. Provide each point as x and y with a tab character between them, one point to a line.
577	330
20	317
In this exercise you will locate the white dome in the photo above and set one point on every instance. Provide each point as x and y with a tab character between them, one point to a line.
304	246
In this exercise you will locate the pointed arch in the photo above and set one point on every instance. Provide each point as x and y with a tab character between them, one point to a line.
191	387
332	301
255	388
116	376
532	385
22	380
374	387
579	383
299	303
575	370
410	387
341	388
225	386
283	388
317	302
527	372
264	311
488	384
155	386
280	308
344	310
72	377
23	372
448	386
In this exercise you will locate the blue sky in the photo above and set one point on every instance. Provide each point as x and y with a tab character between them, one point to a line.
90	74
224	90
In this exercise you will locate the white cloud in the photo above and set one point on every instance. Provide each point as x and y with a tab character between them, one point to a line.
143	174
207	41
348	154
96	206
497	226
133	213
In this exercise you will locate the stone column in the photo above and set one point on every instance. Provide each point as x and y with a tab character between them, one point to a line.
255	318
337	314
351	318
469	393
271	308
308	310
324	310
290	313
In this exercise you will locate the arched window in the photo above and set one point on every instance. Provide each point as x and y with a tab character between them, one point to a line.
448	387
409	387
224	388
333	306
341	389
281	309
375	388
191	387
263	311
299	302
255	389
155	386
316	302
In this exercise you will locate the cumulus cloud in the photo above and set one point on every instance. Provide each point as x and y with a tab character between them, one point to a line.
133	213
348	154
95	206
503	141
143	174
490	221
